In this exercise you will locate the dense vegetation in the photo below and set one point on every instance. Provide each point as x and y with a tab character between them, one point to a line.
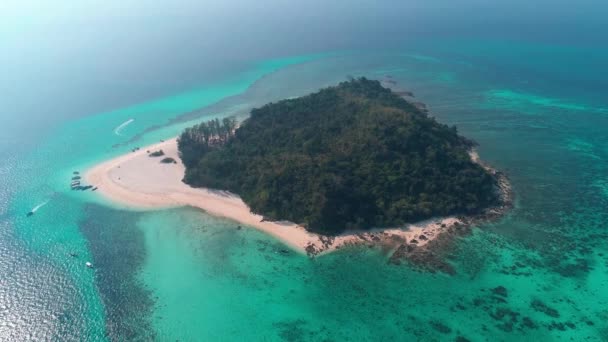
195	142
351	156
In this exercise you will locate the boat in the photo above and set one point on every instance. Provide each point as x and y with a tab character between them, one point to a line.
29	214
89	265
73	255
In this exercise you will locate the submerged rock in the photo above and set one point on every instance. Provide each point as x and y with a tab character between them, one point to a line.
158	153
440	327
168	160
544	308
500	291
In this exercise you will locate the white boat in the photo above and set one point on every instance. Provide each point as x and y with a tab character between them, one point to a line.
89	265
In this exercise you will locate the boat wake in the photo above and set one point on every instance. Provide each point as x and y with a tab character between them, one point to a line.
122	125
34	209
40	206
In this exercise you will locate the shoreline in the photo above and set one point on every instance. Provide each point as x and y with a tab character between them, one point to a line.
121	180
432	256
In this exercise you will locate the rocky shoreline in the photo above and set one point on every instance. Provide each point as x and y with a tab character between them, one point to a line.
432	256
429	256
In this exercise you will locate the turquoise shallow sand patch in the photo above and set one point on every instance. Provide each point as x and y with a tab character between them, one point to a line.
582	146
422	58
446	77
528	103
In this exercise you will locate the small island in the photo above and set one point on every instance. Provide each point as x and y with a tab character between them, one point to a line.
354	164
352	157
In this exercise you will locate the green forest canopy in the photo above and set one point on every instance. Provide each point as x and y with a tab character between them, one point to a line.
353	156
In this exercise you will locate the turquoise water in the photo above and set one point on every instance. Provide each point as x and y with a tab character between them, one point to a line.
183	275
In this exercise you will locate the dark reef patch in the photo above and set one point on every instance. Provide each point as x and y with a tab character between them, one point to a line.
500	291
298	330
539	306
440	327
118	251
496	305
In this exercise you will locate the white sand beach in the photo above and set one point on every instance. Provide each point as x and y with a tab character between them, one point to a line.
139	181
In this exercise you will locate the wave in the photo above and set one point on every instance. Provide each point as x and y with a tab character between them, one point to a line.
122	125
34	209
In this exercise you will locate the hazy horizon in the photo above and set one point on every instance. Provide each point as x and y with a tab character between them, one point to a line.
116	53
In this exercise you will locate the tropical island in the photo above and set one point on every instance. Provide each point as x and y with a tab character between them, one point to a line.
351	157
348	165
